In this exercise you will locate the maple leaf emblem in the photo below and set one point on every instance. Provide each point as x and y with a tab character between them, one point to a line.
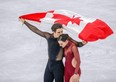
63	19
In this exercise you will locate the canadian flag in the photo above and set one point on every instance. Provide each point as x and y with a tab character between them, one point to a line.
87	29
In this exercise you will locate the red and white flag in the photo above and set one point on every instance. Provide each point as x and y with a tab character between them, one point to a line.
87	29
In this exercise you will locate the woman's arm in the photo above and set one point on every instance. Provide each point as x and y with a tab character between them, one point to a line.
77	58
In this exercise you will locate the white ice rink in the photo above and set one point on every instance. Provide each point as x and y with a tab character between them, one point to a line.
23	54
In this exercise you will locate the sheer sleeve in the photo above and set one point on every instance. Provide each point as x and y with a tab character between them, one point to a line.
77	58
78	44
36	30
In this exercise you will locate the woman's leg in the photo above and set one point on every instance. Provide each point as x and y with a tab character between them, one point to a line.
74	78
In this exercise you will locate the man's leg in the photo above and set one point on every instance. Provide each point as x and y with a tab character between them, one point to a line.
48	76
59	72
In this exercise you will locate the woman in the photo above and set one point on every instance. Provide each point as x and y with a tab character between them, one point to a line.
72	63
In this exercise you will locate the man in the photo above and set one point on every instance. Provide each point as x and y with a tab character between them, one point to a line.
55	67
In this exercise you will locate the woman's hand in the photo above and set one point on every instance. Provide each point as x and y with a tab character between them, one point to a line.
74	78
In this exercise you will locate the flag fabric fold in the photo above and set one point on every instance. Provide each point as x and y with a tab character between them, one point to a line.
95	30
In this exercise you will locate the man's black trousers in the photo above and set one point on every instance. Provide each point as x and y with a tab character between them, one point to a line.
54	71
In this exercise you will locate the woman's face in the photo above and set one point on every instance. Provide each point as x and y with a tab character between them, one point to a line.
63	44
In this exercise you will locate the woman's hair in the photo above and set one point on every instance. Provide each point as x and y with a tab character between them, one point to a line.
63	37
56	26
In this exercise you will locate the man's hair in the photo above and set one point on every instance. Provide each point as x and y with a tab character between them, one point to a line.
63	37
56	26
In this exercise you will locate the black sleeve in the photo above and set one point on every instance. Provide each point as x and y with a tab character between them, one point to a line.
36	30
78	44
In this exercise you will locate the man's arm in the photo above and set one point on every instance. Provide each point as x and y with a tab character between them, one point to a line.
78	44
35	29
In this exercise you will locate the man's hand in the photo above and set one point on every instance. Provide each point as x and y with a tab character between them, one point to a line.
74	78
22	20
84	42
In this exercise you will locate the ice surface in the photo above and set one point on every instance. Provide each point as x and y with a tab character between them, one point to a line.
23	54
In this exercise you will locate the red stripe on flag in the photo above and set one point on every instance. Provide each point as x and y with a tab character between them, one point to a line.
34	16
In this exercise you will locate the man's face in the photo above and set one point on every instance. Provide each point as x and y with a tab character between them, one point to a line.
58	32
